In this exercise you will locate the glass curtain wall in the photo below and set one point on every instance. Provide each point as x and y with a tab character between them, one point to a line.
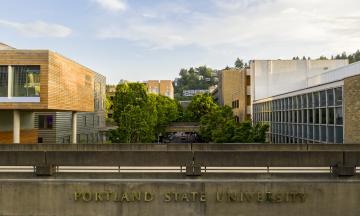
26	81
3	81
315	117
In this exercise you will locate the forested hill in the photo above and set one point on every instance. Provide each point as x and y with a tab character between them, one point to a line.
200	78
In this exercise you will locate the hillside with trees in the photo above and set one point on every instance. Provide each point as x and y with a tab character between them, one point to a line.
200	78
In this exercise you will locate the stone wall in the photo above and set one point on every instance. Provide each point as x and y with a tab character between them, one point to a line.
352	109
260	196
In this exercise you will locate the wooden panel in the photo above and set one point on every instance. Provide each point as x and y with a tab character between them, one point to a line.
26	137
71	85
64	84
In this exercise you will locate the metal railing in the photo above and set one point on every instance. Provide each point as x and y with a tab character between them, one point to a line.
192	159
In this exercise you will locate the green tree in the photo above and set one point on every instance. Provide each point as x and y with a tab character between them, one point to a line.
141	116
239	63
136	125
167	112
212	124
128	93
200	105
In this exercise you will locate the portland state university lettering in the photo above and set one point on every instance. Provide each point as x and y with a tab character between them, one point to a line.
193	196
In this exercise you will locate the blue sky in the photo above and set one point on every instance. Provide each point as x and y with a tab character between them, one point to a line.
147	39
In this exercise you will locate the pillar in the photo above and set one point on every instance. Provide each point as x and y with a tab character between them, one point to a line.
16	127
74	127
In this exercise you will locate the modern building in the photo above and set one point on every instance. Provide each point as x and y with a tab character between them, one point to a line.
234	90
162	87
47	98
307	101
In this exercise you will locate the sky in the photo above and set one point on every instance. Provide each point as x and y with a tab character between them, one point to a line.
140	40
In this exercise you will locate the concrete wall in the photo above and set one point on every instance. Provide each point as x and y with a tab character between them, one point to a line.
261	196
274	77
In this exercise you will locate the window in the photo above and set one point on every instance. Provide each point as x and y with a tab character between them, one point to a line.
338	96
316	132
311	117
3	81
304	101
323	133
339	116
323	115
26	81
316	99
322	98
45	122
310	100
339	134
305	116
317	116
311	132
330	130
330	116
330	97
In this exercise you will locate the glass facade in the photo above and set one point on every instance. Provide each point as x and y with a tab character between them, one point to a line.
26	81
3	81
315	117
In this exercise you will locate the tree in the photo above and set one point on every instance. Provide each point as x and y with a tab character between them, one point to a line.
200	105
128	93
167	112
137	125
239	63
141	116
218	125
214	124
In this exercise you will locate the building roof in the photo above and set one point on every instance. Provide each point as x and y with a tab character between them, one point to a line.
5	47
335	75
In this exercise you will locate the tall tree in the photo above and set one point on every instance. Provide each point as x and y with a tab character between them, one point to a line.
239	63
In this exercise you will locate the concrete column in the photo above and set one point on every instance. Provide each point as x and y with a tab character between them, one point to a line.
74	127
10	81
16	127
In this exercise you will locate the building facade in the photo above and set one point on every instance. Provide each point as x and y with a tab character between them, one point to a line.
162	87
314	106
234	90
33	82
55	127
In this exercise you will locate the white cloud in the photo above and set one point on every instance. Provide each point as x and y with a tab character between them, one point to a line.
38	28
113	5
238	4
269	28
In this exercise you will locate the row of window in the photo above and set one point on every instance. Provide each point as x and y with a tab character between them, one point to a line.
46	122
330	115
311	117
85	138
320	133
235	104
325	98
26	81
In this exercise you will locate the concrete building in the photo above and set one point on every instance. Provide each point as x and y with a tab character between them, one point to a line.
45	97
234	90
307	101
162	87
